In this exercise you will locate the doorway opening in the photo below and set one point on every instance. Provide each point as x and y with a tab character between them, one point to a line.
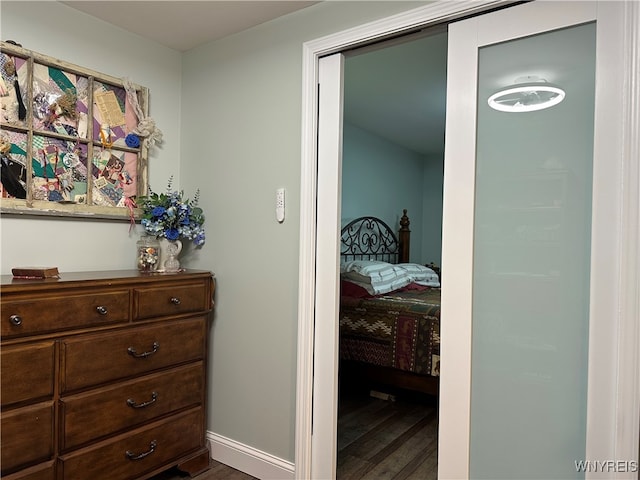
392	162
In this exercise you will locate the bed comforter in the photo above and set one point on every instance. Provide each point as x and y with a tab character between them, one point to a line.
399	330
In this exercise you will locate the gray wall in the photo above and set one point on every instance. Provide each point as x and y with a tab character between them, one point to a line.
56	30
241	111
231	113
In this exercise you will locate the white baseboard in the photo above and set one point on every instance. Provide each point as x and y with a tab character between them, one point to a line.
248	459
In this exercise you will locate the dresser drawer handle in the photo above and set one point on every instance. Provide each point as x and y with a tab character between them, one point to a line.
102	310
131	351
15	320
175	300
132	403
132	456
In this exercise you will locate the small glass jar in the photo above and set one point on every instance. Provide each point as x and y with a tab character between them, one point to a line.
148	249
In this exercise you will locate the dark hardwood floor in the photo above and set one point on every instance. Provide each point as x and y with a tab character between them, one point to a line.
386	439
218	471
377	439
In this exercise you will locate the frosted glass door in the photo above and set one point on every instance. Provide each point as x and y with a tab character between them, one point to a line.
531	260
529	199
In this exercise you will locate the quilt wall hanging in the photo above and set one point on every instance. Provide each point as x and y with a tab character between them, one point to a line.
74	142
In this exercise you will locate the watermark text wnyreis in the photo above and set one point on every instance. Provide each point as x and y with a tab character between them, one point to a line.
607	466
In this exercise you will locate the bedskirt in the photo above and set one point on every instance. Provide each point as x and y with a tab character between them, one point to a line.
400	330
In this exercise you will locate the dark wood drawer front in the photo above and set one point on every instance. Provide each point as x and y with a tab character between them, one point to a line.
161	301
26	436
128	404
130	456
94	359
28	317
27	372
45	471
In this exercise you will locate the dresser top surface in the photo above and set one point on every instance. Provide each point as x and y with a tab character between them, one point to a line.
69	278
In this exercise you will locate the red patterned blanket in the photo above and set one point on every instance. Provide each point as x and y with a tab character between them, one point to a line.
399	330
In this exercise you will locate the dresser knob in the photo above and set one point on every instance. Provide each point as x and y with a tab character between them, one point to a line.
132	351
152	448
16	320
175	300
101	310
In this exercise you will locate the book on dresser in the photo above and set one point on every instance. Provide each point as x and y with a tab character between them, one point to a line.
35	272
103	375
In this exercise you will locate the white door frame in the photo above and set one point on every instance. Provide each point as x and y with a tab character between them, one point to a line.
623	407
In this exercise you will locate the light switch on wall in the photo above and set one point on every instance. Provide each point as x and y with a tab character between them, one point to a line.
280	205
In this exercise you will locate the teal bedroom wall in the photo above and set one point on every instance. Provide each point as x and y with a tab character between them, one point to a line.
380	179
432	189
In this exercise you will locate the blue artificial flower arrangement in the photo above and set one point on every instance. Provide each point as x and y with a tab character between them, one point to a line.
171	216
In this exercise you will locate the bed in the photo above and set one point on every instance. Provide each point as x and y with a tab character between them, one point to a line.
389	309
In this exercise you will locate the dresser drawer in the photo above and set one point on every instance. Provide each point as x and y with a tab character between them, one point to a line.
44	471
130	456
88	360
55	313
128	404
171	300
27	372
26	436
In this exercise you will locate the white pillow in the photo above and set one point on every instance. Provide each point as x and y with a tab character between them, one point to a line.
420	274
374	276
363	266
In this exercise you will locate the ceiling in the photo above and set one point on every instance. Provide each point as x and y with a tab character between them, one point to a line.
396	92
183	25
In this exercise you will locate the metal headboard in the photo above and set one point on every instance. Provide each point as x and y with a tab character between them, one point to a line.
369	238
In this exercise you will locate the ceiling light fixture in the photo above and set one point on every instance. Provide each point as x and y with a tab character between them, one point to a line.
527	94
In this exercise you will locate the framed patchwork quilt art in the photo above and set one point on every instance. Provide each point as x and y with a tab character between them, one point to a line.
74	142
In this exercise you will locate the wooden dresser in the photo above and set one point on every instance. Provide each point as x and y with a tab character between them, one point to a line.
103	375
